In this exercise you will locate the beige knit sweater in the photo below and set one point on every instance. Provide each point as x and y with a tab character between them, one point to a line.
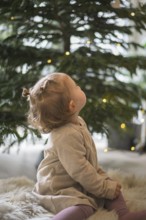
70	174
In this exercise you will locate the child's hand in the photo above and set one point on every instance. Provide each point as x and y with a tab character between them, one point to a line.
118	190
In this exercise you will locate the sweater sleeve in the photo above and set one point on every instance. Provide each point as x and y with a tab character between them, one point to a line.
72	154
102	173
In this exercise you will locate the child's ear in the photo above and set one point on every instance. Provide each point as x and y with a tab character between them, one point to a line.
72	106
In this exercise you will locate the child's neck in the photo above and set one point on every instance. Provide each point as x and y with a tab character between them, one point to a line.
75	119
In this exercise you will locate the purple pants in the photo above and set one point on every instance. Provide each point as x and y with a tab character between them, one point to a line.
82	212
78	212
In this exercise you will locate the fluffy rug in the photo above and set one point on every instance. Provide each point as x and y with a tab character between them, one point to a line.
18	203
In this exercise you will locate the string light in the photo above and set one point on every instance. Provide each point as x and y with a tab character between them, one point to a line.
123	125
132	14
105	150
142	110
88	42
132	148
104	100
67	53
49	61
118	44
12	18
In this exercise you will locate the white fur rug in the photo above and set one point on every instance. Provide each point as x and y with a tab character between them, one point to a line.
18	203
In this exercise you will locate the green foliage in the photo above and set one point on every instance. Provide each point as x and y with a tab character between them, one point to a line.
35	36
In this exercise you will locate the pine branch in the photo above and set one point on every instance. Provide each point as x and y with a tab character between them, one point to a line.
35	36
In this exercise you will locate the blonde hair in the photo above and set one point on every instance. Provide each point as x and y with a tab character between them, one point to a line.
48	102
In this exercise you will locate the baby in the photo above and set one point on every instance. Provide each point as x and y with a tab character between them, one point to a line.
70	182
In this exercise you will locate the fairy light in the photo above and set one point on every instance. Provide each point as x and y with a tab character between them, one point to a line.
142	110
104	100
105	150
132	14
67	53
118	44
123	125
88	42
132	148
49	61
12	18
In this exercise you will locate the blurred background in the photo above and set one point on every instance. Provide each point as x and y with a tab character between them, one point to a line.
102	45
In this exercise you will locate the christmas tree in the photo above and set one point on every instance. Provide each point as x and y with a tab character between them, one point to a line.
89	40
